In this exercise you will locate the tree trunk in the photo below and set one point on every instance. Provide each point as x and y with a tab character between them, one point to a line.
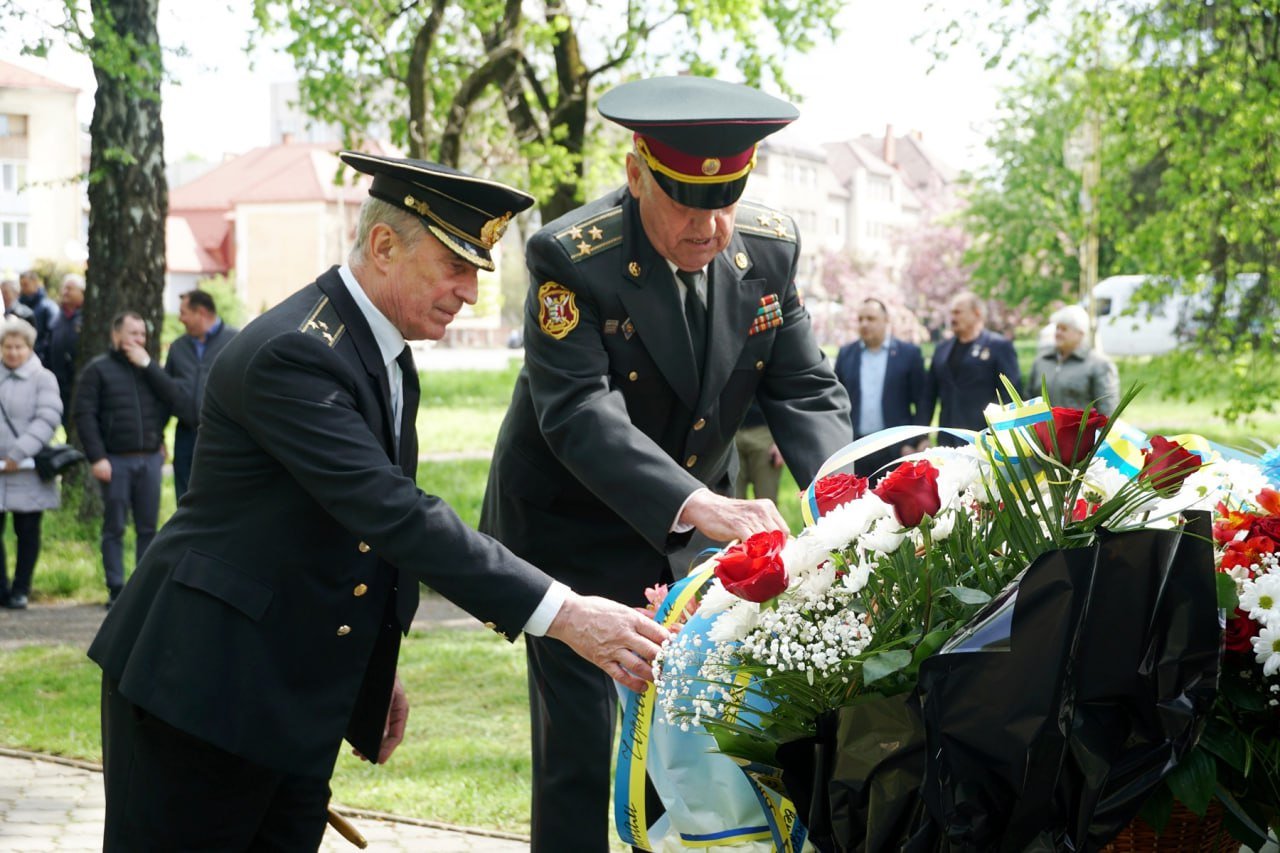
128	193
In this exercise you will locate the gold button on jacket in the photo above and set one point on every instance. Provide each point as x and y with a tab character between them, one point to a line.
691	461
343	630
360	590
363	547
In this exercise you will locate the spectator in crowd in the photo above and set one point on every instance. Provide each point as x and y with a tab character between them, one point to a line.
1074	375
44	311
886	383
964	375
190	358
13	306
122	402
31	410
64	342
759	460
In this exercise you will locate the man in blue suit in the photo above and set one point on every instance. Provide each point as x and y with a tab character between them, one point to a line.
885	380
966	368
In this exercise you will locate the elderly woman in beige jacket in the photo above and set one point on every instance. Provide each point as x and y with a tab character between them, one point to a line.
30	411
1074	375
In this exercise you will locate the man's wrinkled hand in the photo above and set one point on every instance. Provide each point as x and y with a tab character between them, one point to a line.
723	519
612	636
393	731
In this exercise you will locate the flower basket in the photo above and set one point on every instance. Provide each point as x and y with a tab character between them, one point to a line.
1185	831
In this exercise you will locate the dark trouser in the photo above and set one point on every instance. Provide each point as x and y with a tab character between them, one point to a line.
755	465
573	710
169	791
184	450
135	485
26	527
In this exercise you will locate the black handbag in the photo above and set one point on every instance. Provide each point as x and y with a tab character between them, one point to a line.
52	459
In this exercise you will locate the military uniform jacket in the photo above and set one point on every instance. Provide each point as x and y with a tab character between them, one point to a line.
610	428
265	617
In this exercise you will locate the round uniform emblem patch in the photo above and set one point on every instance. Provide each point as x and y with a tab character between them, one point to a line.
557	313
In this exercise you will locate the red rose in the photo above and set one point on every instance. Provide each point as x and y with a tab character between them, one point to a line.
1166	465
912	490
753	569
836	489
1268	527
1240	630
1071	435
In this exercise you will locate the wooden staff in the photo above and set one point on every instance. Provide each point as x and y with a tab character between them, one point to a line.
347	829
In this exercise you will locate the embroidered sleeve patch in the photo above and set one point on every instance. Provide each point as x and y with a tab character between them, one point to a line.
557	313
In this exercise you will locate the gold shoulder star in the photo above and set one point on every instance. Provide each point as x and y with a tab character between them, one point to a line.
763	219
584	247
575	233
595	233
780	231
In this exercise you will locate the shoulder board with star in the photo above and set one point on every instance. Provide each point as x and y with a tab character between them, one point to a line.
761	221
323	322
592	235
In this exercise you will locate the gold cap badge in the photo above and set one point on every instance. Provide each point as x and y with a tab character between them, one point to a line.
711	166
491	232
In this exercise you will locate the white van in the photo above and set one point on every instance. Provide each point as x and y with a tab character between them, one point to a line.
1128	327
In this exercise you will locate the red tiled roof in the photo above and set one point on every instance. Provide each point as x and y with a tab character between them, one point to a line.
13	77
275	173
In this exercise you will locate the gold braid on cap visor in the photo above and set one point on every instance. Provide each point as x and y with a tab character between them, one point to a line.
661	168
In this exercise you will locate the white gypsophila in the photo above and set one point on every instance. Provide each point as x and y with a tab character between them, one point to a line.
1266	648
884	537
1260	598
717	599
735	623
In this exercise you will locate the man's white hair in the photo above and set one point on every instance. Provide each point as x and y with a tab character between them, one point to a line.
407	226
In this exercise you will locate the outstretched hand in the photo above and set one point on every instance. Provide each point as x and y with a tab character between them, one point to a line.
612	636
723	519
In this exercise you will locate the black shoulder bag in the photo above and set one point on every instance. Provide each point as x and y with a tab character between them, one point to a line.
52	459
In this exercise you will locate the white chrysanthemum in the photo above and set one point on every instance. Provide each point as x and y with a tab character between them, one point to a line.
1260	598
1266	647
1240	478
884	537
1102	481
802	555
844	524
944	524
717	599
958	471
816	583
735	623
856	579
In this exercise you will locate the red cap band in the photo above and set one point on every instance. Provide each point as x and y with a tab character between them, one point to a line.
699	169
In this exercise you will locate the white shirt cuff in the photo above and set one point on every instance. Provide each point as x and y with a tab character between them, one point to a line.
676	525
547	610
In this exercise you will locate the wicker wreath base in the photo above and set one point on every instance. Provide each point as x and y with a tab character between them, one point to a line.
1185	833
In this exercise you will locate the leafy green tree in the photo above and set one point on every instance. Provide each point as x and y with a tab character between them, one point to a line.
507	86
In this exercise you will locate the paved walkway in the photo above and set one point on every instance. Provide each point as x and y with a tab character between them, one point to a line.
51	803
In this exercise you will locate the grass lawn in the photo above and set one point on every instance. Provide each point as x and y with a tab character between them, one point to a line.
465	758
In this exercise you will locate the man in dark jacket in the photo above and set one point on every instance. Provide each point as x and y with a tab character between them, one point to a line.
885	380
44	311
263	625
64	341
190	358
122	402
964	375
655	315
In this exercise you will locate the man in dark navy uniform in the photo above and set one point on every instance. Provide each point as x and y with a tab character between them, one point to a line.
655	315
264	624
964	375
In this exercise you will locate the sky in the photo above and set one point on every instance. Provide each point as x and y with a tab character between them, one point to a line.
872	77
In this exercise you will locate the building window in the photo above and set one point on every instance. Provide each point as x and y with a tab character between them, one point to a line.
13	125
13	233
13	177
879	188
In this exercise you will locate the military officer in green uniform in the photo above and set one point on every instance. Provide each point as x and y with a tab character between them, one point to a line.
264	624
655	315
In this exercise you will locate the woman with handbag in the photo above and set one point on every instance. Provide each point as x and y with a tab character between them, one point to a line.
30	411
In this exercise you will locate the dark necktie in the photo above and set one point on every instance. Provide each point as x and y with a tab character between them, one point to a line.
695	315
409	396
406	583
